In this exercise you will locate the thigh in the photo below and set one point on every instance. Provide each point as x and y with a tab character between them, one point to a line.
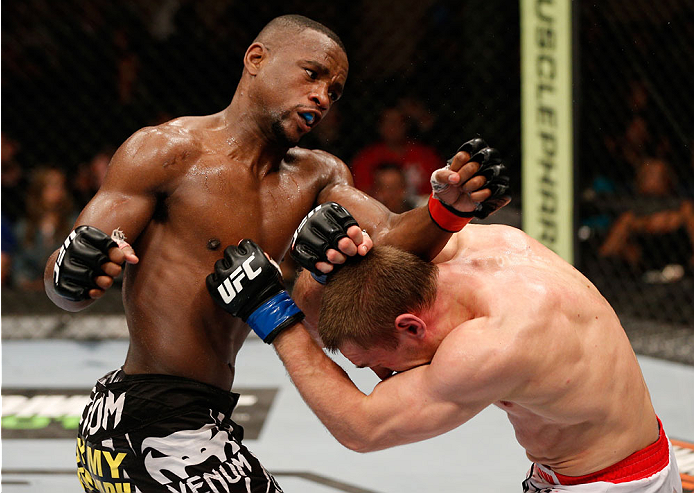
177	454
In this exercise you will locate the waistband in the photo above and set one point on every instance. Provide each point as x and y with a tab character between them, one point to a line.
639	465
168	390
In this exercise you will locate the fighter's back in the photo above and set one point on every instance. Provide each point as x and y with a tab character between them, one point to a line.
582	401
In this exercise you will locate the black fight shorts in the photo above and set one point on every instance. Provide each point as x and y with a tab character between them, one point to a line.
161	433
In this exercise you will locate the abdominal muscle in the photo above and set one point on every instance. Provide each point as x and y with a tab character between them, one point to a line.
175	327
581	447
585	406
546	442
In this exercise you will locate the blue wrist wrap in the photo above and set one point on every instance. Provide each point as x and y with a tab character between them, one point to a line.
273	316
322	278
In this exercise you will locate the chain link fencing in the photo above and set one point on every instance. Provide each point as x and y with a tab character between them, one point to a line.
636	169
80	76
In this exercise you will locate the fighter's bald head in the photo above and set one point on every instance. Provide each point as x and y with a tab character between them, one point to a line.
294	67
280	28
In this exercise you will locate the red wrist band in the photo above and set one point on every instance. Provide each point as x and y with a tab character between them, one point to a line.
445	219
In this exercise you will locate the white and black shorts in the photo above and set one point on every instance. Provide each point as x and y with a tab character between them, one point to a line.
152	433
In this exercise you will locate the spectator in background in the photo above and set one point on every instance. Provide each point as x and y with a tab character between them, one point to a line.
48	220
390	188
416	159
420	121
648	236
127	67
638	140
90	176
9	243
13	180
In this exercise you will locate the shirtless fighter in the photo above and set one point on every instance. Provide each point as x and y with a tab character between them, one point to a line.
179	193
498	319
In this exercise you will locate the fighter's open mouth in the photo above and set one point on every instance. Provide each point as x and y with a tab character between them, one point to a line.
309	118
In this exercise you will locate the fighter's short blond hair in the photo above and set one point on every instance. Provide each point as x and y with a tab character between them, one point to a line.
364	297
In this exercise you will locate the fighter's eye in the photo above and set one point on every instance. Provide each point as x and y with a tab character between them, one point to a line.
334	96
311	73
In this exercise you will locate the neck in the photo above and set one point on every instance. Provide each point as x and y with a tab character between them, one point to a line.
450	308
249	142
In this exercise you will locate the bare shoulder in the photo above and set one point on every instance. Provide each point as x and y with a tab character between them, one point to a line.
499	233
482	236
329	167
160	145
490	238
154	155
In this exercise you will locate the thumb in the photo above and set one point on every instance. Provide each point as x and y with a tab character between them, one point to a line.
443	177
129	253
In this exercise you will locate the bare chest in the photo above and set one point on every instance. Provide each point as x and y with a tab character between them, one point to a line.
217	203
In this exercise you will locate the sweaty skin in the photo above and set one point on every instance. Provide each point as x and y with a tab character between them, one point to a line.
184	190
513	325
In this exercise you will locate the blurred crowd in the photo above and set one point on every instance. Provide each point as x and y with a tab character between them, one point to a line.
39	207
641	209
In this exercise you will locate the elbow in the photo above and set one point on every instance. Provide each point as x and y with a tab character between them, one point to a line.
361	430
356	445
365	449
360	443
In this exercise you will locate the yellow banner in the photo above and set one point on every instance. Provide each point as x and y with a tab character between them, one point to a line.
547	123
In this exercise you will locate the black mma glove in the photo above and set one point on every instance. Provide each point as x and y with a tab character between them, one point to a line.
494	172
79	262
319	231
249	286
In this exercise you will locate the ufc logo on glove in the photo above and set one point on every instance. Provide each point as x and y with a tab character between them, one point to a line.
232	284
262	302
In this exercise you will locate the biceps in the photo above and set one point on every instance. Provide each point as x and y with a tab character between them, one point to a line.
109	210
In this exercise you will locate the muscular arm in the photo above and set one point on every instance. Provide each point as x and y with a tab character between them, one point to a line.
413	231
308	295
126	200
411	406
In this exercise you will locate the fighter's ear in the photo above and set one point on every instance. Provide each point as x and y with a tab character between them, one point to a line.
255	55
410	325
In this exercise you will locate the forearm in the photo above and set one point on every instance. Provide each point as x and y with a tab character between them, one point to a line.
325	387
308	294
415	232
